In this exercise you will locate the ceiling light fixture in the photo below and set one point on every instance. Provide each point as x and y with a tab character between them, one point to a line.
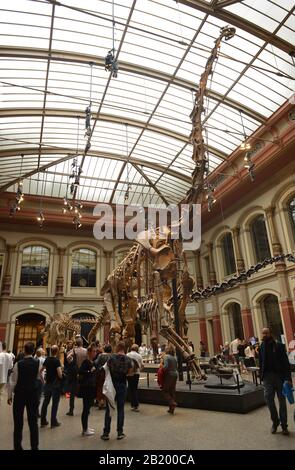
111	64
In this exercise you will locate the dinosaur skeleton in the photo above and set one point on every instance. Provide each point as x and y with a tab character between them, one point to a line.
63	327
157	261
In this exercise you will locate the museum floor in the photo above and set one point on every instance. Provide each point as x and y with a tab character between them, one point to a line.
154	429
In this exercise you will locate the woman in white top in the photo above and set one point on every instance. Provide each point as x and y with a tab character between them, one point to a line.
133	378
250	356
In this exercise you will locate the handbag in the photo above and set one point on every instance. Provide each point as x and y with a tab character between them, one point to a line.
161	376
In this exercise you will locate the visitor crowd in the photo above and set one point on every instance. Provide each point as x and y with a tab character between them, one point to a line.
100	376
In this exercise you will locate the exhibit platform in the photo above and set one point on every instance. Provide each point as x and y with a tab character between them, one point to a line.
197	396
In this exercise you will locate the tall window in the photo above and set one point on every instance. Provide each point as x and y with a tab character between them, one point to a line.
291	207
260	239
237	330
228	254
273	315
83	268
35	265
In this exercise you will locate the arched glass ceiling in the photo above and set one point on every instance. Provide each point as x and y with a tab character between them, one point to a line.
141	123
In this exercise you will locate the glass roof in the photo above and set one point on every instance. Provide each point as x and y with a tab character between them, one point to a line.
140	120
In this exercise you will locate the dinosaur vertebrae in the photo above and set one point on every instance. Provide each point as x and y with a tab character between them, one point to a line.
237	279
195	194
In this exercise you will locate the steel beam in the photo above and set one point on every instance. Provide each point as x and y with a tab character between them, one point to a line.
60	112
240	22
70	154
32	53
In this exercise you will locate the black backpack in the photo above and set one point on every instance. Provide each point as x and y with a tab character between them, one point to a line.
119	365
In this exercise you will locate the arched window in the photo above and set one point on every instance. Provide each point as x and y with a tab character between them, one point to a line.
260	239
291	207
35	266
83	268
272	313
228	254
236	323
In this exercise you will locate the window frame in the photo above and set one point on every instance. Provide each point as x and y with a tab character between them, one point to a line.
255	246
226	252
78	250
31	246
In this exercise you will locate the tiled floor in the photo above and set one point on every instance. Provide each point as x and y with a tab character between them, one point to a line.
154	429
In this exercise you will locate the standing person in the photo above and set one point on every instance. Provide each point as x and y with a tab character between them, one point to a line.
119	365
250	355
23	382
234	349
241	352
100	374
87	389
40	357
6	364
225	351
170	377
274	370
203	349
74	361
133	378
52	387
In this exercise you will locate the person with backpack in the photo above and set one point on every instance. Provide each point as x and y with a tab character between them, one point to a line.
133	377
120	366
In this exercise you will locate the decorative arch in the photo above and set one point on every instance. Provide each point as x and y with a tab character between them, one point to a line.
83	244
262	293
227	302
247	214
283	194
217	234
34	241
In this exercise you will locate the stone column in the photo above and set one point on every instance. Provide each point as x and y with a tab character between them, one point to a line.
246	312
217	334
6	285
199	277
59	291
287	309
212	272
107	325
216	323
202	324
6	288
237	246
276	246
107	255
